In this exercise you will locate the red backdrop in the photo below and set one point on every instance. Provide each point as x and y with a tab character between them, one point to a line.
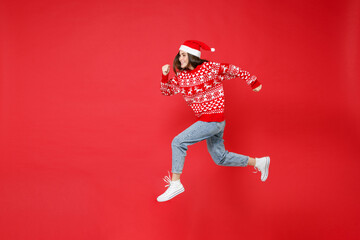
86	133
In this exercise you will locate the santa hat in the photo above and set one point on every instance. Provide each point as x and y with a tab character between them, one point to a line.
193	47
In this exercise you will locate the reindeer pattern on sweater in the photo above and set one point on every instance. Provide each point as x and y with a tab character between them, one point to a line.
202	88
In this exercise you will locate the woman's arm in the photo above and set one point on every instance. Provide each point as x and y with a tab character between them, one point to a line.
231	71
168	87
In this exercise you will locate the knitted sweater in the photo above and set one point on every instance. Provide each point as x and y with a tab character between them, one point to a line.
202	88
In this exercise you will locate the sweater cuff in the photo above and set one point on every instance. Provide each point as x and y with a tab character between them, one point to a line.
255	84
165	78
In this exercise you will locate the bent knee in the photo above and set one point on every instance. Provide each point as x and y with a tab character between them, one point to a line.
176	142
218	160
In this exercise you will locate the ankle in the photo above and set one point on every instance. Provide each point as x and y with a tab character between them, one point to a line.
175	177
251	161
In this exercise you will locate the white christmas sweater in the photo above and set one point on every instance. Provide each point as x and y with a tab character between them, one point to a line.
202	88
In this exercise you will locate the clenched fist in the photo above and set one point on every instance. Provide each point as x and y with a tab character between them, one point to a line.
166	69
257	89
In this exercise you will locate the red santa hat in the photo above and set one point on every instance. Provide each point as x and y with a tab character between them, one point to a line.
193	47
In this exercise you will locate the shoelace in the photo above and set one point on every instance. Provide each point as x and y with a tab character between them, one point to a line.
167	179
256	170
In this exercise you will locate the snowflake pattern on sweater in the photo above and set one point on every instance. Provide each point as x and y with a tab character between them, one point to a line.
202	88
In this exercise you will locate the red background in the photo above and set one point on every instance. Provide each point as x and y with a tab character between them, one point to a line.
85	132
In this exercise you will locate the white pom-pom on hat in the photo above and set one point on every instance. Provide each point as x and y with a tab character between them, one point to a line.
213	49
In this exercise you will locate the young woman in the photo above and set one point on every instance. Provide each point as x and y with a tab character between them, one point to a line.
200	83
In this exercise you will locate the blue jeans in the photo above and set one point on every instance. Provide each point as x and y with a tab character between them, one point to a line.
213	133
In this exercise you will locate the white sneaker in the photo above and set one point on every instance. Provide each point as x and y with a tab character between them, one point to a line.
263	164
175	188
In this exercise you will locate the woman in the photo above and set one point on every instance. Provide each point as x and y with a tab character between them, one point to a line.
200	83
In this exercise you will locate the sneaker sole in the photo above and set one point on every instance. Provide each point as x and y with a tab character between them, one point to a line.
266	169
181	190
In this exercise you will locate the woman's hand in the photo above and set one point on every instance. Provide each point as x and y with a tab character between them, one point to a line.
257	89
166	69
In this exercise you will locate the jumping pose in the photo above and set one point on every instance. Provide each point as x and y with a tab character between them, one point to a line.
201	84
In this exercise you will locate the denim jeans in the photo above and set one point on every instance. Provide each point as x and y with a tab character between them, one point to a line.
213	133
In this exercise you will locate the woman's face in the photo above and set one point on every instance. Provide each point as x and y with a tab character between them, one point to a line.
184	59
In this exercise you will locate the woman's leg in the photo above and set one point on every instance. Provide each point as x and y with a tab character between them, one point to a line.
216	139
223	157
195	133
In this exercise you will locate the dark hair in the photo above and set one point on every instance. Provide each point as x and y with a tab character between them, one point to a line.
193	61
